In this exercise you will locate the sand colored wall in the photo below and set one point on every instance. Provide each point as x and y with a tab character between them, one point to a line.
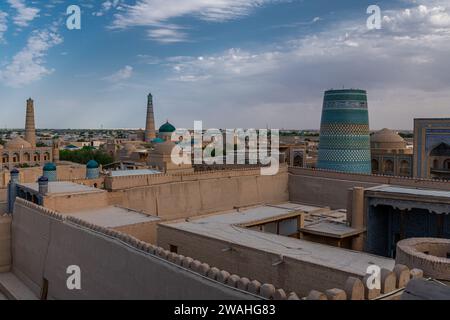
5	243
65	172
292	275
77	202
328	188
113	265
143	231
200	194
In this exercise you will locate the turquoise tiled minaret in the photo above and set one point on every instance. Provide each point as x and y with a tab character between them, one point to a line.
344	133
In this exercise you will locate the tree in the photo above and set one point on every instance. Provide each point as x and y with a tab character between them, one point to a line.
86	154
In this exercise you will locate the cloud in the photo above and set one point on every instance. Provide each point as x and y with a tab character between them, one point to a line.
121	75
167	35
107	6
405	67
156	14
3	24
24	14
28	64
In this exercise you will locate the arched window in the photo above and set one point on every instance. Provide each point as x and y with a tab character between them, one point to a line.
37	157
26	157
375	166
5	158
447	164
389	166
405	168
298	160
16	158
435	164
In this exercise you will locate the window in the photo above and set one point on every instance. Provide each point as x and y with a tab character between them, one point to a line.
173	248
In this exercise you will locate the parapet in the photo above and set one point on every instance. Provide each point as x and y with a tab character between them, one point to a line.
392	284
432	255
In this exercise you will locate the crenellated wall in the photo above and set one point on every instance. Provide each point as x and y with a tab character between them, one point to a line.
202	193
114	265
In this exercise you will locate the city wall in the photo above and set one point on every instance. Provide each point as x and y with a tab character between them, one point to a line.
113	265
329	188
201	193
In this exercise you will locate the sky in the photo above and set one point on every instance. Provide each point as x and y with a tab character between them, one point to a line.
229	63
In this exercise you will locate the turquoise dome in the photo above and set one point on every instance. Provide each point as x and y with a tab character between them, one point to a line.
92	164
167	128
50	167
157	140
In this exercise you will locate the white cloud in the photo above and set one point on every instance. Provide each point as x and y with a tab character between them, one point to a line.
28	64
3	24
167	35
121	75
405	66
157	13
24	14
107	6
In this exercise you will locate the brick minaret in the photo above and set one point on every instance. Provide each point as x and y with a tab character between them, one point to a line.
30	128
150	132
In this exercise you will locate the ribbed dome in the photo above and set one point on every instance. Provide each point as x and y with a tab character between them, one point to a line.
386	135
387	139
18	143
92	164
167	128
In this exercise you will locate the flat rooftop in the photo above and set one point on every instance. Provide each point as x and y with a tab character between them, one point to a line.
422	193
113	217
63	187
126	173
225	227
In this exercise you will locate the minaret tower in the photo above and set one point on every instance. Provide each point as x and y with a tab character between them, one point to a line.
150	132
30	128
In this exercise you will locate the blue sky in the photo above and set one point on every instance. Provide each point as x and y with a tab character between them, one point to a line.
230	63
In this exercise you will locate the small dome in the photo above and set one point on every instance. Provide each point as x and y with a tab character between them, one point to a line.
157	140
18	143
92	164
387	139
386	135
50	167
167	128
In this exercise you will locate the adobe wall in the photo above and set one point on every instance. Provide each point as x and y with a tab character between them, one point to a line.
5	243
199	194
292	275
143	231
329	188
65	172
113	265
77	202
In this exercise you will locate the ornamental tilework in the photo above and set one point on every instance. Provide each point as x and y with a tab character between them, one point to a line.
345	135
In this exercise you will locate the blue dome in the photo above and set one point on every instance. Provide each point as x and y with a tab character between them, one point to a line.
92	164
167	128
50	167
157	140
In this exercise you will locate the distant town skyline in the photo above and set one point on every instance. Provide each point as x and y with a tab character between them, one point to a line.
230	63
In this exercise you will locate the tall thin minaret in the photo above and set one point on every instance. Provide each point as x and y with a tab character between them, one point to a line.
30	128
150	132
